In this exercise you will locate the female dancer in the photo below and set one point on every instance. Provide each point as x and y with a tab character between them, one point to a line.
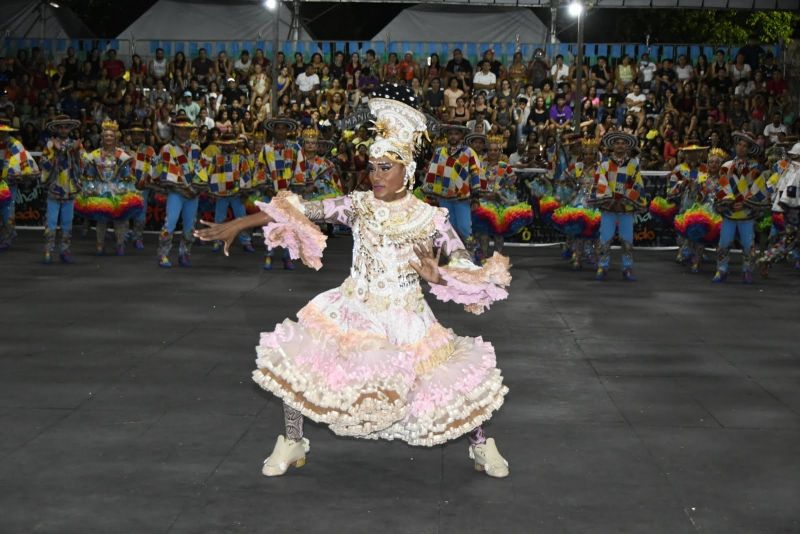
368	358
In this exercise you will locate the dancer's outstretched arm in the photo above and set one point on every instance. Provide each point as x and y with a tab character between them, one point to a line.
228	231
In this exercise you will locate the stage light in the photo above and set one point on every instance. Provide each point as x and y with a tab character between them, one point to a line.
272	5
575	9
55	5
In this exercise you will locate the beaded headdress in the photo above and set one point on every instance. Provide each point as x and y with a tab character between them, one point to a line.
717	153
310	134
399	128
108	124
495	139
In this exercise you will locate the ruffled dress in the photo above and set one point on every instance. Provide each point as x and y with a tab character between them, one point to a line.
498	210
108	189
368	358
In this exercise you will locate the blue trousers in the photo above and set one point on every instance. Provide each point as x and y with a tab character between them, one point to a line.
237	206
611	223
7	218
58	212
460	216
746	231
178	207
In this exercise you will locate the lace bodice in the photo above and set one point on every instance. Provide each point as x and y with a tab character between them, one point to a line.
384	236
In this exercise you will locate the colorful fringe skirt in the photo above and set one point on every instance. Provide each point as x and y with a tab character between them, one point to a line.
109	207
699	225
493	218
547	206
663	209
577	222
5	194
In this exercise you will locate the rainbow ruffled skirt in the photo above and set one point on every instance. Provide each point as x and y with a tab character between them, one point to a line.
109	207
577	222
5	194
495	219
663	209
547	206
699	225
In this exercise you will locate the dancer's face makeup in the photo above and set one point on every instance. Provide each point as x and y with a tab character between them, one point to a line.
387	179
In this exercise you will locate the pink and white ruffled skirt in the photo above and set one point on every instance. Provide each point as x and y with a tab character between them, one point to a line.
386	371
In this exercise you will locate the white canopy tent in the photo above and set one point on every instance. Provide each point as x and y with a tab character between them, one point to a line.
459	23
34	19
210	20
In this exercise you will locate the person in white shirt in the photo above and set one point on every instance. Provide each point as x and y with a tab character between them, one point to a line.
308	82
647	71
484	79
775	128
683	69
157	67
559	72
635	102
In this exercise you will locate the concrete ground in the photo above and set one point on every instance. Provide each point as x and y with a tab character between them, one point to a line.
666	405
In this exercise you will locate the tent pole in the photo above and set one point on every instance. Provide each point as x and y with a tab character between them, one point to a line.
578	106
276	30
553	21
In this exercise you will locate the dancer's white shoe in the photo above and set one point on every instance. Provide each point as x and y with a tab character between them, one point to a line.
487	459
286	452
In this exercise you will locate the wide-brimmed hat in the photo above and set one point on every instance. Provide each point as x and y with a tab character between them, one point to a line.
787	141
5	126
182	122
755	148
270	124
444	128
794	151
227	139
611	138
63	120
692	147
473	136
136	127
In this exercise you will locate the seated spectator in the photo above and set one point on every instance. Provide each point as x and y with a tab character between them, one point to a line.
188	106
179	72
458	67
684	70
232	95
601	76
391	70
308	83
434	97
559	72
409	69
452	93
113	66
776	128
243	66
484	79
777	86
459	114
203	68
158	67
625	71
560	112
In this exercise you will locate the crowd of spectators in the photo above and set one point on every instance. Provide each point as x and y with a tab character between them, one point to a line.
665	103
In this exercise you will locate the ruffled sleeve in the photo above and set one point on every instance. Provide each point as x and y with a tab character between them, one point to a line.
476	288
291	229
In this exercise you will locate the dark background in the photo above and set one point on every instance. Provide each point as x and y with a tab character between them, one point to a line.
356	20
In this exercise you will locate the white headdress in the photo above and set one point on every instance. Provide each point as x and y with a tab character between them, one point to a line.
399	130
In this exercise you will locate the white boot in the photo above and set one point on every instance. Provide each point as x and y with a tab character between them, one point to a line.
286	452
487	458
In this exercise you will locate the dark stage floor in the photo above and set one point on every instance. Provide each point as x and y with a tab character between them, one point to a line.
667	405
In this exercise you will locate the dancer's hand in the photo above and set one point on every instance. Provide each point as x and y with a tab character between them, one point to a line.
225	232
428	266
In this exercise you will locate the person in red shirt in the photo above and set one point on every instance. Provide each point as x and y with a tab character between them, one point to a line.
777	86
113	66
409	68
